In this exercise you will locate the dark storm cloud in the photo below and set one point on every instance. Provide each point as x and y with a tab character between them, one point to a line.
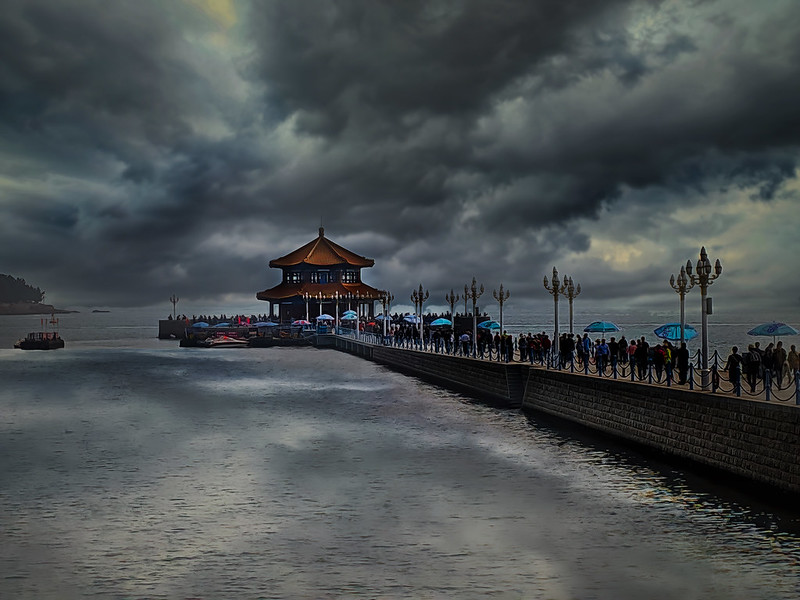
483	133
371	78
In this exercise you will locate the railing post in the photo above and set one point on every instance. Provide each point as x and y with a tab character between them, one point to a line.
796	388
586	365
767	385
691	376
714	378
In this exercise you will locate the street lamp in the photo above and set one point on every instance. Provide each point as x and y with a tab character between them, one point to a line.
174	299
419	296
571	291
358	313
386	300
320	297
306	297
501	297
473	293
336	312
451	299
556	289
704	278
682	286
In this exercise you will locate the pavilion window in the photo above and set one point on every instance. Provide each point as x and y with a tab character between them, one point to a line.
294	277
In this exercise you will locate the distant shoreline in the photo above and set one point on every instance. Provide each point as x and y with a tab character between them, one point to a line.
31	308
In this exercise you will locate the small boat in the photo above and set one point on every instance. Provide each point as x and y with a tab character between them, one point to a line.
42	340
225	341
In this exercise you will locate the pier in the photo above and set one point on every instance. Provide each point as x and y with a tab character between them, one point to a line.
750	439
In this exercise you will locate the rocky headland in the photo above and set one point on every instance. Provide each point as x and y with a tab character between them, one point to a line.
31	308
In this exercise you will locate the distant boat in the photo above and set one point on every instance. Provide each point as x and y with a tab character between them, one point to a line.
42	340
225	342
96	310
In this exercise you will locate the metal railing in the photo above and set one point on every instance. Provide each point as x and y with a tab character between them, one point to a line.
764	384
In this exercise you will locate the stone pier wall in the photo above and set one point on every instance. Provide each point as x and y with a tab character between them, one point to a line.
756	440
498	383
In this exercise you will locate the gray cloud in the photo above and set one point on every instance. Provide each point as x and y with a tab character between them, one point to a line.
466	138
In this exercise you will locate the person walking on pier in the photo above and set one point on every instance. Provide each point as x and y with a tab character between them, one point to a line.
659	360
779	358
613	353
464	344
601	356
642	351
793	360
753	362
631	350
734	368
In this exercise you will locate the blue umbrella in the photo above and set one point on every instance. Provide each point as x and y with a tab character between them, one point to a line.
222	325
672	331
325	317
346	317
773	329
263	324
413	319
200	324
489	325
440	322
600	327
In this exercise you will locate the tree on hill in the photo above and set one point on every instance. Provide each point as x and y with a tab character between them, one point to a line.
15	289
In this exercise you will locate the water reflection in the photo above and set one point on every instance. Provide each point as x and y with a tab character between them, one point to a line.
156	472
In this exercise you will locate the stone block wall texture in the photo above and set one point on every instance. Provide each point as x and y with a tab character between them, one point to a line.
756	440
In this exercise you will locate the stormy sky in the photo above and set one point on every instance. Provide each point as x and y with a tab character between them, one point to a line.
150	148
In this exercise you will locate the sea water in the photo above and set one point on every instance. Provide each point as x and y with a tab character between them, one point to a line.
132	468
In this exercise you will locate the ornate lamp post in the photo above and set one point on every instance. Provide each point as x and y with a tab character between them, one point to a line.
571	291
555	289
466	295
386	300
682	286
451	299
419	297
174	299
704	278
358	314
306	297
336	313
501	297
474	293
320	297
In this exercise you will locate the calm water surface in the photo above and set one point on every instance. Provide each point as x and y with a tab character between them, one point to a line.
150	471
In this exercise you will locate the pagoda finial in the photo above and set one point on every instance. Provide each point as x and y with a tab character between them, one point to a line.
321	232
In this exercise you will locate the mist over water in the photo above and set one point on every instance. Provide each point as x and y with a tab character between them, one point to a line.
132	468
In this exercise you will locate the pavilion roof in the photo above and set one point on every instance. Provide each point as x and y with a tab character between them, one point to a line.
284	290
321	252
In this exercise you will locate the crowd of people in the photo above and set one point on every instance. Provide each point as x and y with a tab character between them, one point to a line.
773	363
660	361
